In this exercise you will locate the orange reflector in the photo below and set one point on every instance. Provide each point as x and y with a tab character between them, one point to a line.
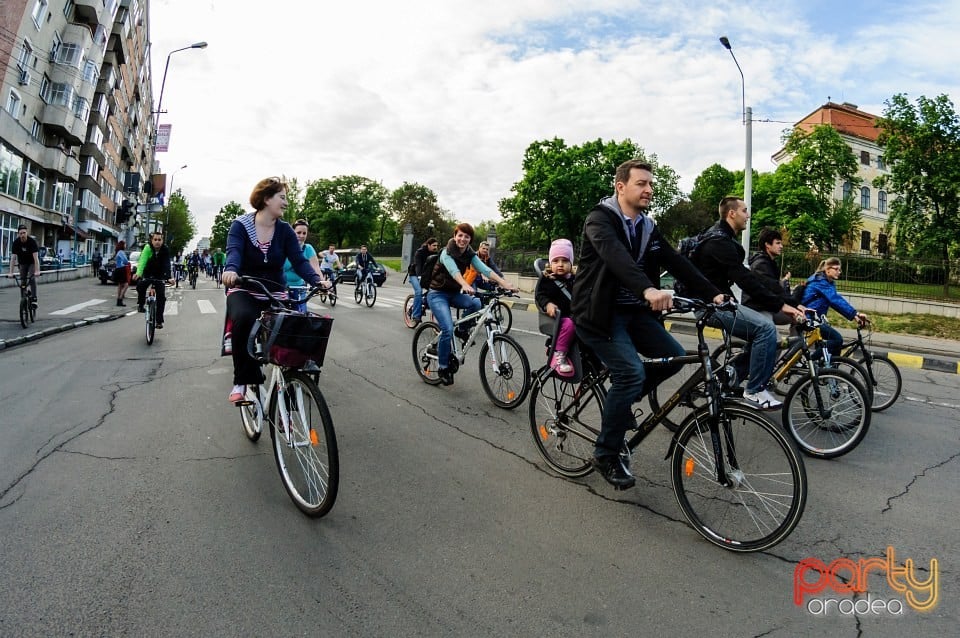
314	439
688	467
544	434
511	395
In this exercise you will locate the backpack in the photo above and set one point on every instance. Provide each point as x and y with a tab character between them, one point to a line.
429	265
688	247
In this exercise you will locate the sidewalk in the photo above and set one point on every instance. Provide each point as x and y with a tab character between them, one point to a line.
907	351
96	303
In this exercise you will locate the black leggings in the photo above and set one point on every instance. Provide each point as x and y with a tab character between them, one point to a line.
242	310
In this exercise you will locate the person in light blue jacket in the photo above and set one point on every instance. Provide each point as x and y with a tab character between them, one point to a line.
821	295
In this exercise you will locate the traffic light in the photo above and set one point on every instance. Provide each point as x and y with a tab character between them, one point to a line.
125	211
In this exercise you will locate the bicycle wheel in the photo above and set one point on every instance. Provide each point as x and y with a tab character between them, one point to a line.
332	296
765	490
885	380
692	401
151	321
503	315
828	415
305	445
407	312
24	311
370	293
358	293
425	352
504	372
565	422
33	312
855	369
251	414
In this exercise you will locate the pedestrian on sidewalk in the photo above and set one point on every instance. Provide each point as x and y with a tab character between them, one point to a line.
121	271
95	261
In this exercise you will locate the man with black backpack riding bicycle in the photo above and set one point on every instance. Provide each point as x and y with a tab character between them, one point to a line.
617	301
720	259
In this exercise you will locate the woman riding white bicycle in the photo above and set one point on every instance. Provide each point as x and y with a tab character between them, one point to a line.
257	245
447	288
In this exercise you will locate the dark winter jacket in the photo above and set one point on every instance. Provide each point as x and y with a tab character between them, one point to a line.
244	257
721	261
606	265
821	295
762	265
158	263
555	290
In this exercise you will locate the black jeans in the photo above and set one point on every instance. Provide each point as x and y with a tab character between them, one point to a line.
242	310
161	291
25	271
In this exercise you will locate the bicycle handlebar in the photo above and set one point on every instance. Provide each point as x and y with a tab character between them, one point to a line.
245	281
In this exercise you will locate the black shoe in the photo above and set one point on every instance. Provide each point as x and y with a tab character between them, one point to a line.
120	302
159	325
140	308
311	366
446	377
611	468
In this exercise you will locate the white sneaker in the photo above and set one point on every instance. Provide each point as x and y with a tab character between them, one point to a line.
763	400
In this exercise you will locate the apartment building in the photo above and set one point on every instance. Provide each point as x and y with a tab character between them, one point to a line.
858	130
75	120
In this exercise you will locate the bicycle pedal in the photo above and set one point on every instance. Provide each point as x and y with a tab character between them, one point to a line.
243	404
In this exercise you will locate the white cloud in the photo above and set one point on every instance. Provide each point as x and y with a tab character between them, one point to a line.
450	93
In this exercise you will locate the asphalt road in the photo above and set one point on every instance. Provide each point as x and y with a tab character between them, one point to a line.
132	504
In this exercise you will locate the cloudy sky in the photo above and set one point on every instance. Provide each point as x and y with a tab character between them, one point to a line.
449	93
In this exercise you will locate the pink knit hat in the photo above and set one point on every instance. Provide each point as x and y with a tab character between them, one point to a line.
561	248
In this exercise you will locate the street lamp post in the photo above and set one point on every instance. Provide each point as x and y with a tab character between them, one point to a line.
76	229
748	163
163	84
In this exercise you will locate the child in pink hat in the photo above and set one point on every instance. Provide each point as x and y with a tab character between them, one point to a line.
553	295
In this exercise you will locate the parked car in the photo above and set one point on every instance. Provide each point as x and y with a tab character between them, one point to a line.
105	274
349	273
134	258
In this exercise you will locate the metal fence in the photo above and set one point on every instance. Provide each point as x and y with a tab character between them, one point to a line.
879	276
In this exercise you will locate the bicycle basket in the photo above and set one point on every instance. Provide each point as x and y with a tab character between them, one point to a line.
290	339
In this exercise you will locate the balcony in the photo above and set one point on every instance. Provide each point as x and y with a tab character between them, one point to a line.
90	149
88	182
118	46
61	121
79	34
87	12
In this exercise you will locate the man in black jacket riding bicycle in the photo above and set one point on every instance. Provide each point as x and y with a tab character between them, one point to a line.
616	302
154	264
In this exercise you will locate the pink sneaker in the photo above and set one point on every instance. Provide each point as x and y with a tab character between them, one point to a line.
561	365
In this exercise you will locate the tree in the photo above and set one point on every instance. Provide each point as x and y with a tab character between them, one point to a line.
179	226
921	145
798	196
562	183
221	224
712	185
686	218
294	201
416	205
344	209
824	158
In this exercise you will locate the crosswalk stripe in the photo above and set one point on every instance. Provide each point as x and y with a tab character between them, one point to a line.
172	308
79	306
206	306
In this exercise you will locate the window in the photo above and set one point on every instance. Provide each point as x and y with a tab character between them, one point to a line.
39	13
865	158
847	191
26	53
45	88
61	94
68	8
81	108
34	186
95	136
11	168
865	240
90	72
37	129
55	46
90	167
69	53
865	198
882	247
13	104
880	163
882	202
63	198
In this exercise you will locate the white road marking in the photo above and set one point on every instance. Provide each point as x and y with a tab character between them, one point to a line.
79	306
172	308
206	306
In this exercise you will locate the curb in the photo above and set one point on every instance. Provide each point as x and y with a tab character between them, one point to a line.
52	330
918	360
